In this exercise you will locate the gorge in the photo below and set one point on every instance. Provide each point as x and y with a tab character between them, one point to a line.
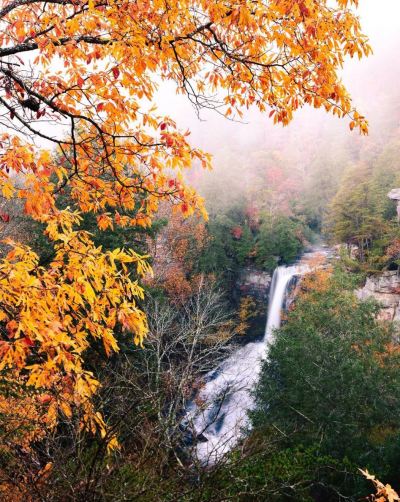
226	397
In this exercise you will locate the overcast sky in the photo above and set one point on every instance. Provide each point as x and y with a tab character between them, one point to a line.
381	19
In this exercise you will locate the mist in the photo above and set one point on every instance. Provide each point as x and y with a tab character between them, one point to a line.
240	147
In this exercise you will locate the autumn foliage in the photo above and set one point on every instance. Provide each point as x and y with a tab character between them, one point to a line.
81	76
384	493
175	252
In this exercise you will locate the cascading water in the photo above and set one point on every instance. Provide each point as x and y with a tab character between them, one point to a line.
280	280
228	388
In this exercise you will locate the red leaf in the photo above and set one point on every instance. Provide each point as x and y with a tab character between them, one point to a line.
27	341
45	398
163	126
116	72
237	232
11	328
100	107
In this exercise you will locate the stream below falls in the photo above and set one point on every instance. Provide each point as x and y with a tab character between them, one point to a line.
227	392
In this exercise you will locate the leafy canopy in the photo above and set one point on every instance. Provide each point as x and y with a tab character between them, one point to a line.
82	75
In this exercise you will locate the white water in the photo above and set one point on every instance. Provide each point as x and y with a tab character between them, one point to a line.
227	392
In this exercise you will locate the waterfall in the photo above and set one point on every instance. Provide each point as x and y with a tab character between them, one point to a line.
280	280
227	391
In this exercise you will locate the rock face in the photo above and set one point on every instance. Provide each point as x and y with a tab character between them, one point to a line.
395	195
255	283
385	288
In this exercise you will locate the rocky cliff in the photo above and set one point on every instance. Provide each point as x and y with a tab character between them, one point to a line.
255	283
385	288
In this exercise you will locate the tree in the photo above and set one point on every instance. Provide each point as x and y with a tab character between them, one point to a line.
81	75
356	217
330	386
175	250
279	240
143	397
361	214
230	244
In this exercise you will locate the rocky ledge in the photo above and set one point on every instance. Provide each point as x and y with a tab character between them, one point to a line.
385	288
255	283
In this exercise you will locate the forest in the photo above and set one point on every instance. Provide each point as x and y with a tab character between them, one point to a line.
199	251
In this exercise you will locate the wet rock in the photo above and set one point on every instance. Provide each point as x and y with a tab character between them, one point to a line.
201	438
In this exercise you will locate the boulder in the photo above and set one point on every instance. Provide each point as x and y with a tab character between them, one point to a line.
394	194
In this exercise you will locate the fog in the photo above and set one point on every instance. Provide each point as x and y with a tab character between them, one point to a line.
372	82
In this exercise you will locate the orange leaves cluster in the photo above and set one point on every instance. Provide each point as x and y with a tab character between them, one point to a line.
278	54
384	493
21	418
48	316
292	50
246	311
175	252
317	281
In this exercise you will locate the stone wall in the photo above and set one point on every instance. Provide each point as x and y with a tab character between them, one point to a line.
385	288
